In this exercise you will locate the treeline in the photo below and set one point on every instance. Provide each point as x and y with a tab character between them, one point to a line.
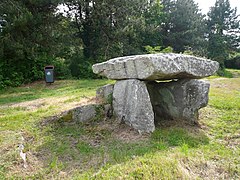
35	33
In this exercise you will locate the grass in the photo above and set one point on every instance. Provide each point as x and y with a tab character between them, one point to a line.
105	149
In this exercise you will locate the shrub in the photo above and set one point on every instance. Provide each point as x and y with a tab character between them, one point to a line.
224	73
233	63
61	69
158	49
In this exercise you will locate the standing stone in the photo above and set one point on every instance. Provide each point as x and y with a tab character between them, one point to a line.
131	104
139	101
156	67
104	93
179	100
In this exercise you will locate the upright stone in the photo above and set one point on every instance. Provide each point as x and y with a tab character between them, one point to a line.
131	104
179	100
104	96
104	93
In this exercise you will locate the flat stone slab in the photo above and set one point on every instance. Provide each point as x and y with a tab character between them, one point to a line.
164	66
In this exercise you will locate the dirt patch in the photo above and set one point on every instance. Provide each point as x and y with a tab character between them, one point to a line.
235	73
35	83
232	141
112	128
10	152
205	169
30	105
45	103
42	83
33	166
36	104
225	83
127	134
194	128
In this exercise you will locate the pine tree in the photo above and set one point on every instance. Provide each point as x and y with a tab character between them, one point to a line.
184	27
223	31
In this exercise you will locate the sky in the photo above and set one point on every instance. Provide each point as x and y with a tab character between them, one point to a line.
204	5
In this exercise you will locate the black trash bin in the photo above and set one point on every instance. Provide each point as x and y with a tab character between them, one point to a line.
49	74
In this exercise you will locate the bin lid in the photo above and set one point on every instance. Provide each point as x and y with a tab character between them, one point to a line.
49	67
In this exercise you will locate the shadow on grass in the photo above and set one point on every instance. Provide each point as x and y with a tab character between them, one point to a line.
84	147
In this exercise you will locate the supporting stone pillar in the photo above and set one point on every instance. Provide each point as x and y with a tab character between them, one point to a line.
132	105
178	100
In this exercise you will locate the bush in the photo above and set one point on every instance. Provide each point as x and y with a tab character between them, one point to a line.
14	79
2	84
86	70
224	73
61	69
81	67
233	63
158	49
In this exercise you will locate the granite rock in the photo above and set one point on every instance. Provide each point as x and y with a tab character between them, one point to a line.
179	100
156	67
104	93
84	113
131	104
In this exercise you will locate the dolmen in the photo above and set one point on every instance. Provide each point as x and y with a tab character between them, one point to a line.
154	87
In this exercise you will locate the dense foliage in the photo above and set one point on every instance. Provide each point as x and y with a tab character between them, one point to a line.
184	26
223	31
233	63
27	39
35	33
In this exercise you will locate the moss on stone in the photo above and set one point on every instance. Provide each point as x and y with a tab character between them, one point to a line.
67	117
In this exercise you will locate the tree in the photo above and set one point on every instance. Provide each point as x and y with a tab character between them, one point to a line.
184	26
223	31
95	30
110	28
27	39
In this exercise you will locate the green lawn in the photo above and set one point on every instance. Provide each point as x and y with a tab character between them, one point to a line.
104	149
